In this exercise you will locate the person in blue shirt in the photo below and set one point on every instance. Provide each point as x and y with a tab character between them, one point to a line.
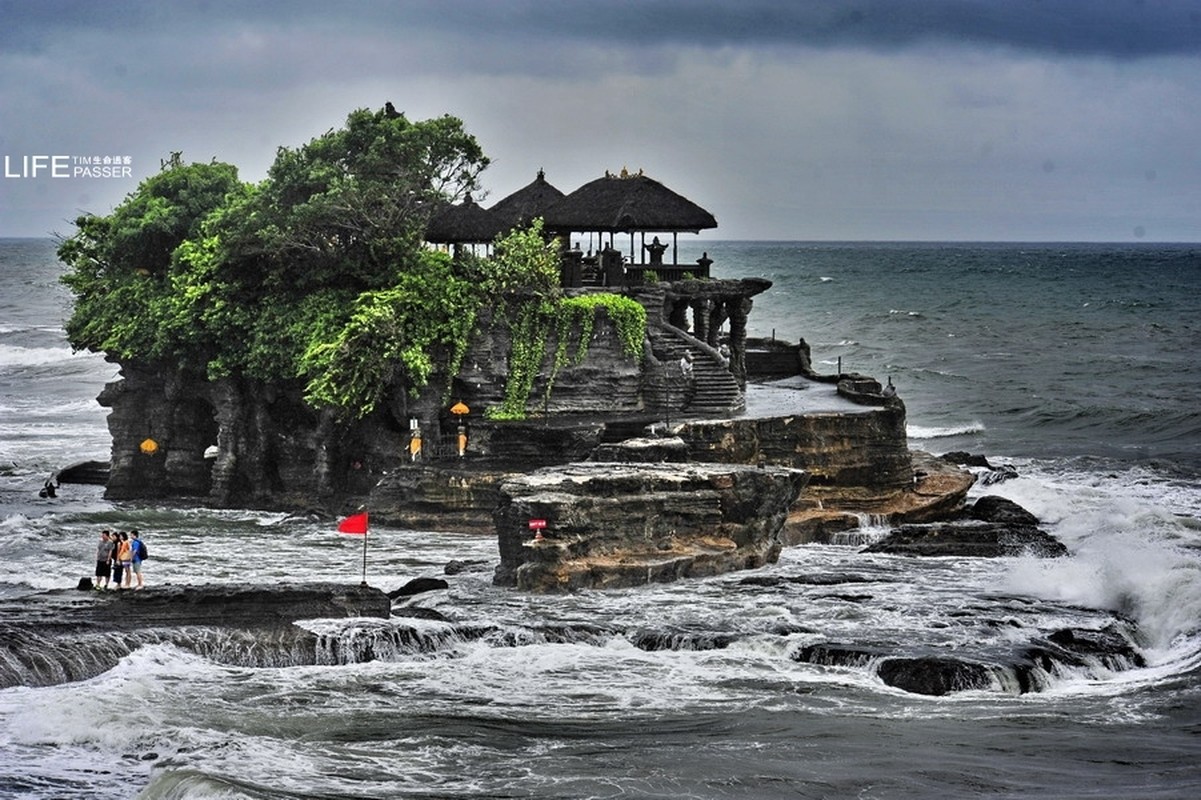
135	548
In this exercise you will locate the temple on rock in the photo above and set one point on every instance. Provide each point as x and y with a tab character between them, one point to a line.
698	391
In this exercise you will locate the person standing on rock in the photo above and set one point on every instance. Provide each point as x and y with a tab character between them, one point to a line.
124	571
104	559
117	569
136	551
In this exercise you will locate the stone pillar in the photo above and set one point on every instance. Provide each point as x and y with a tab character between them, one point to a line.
700	320
738	317
718	314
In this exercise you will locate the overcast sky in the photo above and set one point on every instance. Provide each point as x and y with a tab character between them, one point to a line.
1062	120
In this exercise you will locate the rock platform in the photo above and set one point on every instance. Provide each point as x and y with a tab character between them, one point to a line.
611	524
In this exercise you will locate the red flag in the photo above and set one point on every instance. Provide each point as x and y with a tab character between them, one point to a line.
355	525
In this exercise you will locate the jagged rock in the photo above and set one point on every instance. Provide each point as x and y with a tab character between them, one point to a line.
992	526
969	539
829	654
991	508
965	459
1077	647
417	586
87	472
610	525
933	675
866	449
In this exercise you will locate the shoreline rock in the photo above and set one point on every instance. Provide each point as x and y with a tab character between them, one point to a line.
611	525
993	527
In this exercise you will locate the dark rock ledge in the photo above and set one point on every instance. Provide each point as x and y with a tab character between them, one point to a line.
992	527
1091	652
227	606
68	635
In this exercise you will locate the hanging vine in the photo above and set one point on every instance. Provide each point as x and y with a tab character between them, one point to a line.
571	319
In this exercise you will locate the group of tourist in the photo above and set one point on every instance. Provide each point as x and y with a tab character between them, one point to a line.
119	557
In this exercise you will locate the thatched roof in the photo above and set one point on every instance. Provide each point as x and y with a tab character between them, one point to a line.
528	202
626	202
465	223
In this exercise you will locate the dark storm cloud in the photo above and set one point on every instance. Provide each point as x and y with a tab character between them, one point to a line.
1106	28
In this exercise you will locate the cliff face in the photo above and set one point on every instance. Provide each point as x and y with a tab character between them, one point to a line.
864	449
267	447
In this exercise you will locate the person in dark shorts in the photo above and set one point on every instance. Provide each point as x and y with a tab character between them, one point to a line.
118	563
104	557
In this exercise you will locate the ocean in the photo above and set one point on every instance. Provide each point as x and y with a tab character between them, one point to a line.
1075	364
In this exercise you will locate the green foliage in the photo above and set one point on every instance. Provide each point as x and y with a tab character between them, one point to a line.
319	272
304	275
391	334
119	265
523	260
349	208
530	325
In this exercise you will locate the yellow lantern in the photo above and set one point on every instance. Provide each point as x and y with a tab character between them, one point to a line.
459	409
148	446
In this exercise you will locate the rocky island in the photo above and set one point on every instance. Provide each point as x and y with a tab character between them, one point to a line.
332	339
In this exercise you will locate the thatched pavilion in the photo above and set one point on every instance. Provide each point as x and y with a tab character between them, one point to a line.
524	205
465	223
630	203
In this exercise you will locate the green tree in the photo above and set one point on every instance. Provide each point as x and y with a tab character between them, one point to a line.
349	208
225	278
119	265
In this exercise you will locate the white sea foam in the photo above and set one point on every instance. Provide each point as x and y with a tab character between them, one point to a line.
1129	554
940	432
16	356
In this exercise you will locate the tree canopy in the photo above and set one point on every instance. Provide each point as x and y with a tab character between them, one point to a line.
318	273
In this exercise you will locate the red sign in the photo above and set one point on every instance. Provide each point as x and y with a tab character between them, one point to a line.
537	524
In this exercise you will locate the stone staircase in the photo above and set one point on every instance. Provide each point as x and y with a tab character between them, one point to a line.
714	391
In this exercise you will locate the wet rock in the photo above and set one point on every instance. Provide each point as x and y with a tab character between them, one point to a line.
994	474
836	655
965	459
417	586
1108	648
457	566
416	612
974	539
87	472
998	475
1002	510
651	641
67	635
933	675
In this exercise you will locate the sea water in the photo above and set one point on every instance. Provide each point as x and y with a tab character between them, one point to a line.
1074	364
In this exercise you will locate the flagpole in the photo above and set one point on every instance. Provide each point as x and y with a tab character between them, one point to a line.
365	529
